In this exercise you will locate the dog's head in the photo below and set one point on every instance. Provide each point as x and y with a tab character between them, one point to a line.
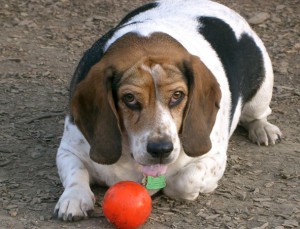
149	96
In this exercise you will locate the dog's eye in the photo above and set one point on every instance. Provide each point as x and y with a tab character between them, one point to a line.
129	98
176	98
130	101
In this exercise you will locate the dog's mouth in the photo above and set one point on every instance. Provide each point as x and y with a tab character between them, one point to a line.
154	170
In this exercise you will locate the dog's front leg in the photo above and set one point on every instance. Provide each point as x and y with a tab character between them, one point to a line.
77	199
199	176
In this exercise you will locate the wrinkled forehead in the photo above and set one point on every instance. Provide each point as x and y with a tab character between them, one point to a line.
147	74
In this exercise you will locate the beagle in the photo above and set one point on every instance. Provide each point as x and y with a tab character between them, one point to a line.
161	94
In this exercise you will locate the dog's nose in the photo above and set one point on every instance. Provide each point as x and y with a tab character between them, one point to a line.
160	149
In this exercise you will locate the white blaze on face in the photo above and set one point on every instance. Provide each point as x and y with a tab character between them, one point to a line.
162	126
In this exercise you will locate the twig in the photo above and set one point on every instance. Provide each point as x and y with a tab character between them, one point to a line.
44	116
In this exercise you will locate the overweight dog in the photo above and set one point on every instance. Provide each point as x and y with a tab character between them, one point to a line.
161	94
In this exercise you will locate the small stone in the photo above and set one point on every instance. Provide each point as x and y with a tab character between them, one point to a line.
241	195
226	218
35	200
187	220
280	7
36	154
256	191
297	46
47	73
276	19
259	18
35	223
270	184
13	213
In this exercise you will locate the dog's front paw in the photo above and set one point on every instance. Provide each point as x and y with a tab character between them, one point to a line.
74	204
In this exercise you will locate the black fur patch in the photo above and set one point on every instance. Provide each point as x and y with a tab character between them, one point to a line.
242	59
137	11
95	53
90	58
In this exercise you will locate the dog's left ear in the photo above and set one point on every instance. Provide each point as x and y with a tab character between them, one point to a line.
201	109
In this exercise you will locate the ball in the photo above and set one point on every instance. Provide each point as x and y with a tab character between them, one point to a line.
127	205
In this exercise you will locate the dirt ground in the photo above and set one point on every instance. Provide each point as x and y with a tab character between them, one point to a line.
41	41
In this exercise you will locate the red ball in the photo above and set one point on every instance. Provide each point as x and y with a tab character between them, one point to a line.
127	205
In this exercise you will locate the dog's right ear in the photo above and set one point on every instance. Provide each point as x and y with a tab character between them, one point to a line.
94	112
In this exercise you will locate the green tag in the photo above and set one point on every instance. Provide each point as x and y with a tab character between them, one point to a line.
155	182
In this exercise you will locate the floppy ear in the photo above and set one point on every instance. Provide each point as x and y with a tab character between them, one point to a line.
94	112
202	107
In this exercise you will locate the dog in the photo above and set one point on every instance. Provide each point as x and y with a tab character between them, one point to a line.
161	94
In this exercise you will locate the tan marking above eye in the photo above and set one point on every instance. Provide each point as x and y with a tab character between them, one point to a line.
148	82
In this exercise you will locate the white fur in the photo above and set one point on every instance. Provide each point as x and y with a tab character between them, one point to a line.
186	177
163	125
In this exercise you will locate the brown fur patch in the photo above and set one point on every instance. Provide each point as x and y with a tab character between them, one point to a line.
202	108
